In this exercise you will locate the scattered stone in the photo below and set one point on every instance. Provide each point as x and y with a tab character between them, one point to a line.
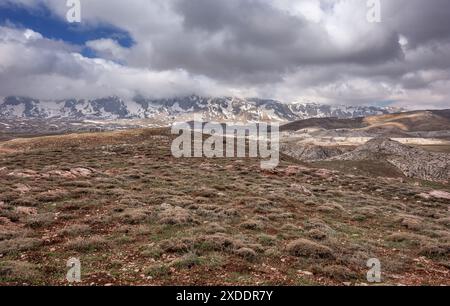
294	170
22	188
81	172
302	189
26	210
325	173
307	273
24	174
438	194
425	196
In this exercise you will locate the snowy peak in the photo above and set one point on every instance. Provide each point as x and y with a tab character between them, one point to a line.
210	108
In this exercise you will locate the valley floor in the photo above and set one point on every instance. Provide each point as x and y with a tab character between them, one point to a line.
133	214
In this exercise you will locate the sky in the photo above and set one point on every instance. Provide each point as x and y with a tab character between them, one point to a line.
323	51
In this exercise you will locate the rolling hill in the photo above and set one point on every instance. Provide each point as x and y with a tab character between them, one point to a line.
415	121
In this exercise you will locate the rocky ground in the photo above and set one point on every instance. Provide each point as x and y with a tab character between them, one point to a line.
133	214
412	161
430	163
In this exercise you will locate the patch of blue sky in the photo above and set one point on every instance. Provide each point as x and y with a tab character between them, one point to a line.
40	19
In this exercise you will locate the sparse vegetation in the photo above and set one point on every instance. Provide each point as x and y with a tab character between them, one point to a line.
136	215
20	272
307	248
95	243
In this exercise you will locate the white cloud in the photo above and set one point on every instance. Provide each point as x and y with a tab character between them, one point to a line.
108	48
32	69
311	10
313	50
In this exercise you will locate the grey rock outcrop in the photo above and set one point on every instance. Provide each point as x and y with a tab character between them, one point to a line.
412	161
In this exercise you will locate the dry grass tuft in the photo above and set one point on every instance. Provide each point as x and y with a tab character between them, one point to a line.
19	245
40	221
19	272
95	243
174	216
76	230
435	251
247	254
216	242
252	225
307	248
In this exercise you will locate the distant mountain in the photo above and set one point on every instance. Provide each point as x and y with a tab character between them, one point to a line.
217	109
387	124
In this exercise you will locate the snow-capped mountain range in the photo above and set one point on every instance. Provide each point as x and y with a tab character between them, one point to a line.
174	109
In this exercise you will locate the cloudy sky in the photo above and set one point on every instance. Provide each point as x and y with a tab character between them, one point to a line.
292	50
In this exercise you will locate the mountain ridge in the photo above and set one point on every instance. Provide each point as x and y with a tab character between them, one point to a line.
172	109
411	121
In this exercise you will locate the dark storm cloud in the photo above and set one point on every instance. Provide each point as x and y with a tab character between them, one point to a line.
256	41
420	21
